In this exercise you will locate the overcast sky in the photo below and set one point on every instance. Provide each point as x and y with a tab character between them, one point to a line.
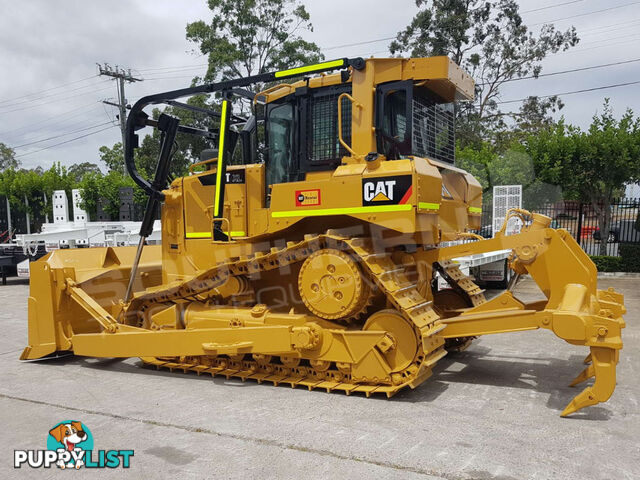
45	44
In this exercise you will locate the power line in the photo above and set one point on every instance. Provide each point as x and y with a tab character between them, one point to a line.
48	89
589	49
43	97
552	6
165	78
172	68
583	14
606	27
61	135
526	11
52	118
63	143
599	42
58	128
181	68
603	87
191	67
53	101
562	72
358	43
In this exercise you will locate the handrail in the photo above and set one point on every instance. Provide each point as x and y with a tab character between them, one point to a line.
340	139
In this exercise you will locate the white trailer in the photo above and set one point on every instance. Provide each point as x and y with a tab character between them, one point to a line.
487	269
77	232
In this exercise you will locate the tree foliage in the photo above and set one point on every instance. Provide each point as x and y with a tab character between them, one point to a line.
512	166
78	170
249	37
113	157
490	41
96	187
8	157
592	165
186	148
35	186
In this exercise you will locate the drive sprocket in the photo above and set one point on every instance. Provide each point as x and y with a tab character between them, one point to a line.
332	286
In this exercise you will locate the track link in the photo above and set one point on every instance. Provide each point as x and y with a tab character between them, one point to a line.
381	270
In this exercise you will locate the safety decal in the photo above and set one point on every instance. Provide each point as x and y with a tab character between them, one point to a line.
231	177
308	198
386	190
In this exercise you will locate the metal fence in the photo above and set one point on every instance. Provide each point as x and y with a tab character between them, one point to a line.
581	221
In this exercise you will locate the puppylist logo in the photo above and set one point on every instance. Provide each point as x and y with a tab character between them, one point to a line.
70	445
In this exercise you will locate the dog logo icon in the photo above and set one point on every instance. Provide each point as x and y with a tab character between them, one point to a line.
70	446
70	439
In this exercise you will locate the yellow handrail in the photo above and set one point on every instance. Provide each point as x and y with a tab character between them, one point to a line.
357	105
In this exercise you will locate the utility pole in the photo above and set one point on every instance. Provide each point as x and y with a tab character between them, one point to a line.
121	75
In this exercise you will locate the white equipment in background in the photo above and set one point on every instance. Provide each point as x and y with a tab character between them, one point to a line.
77	232
506	197
491	268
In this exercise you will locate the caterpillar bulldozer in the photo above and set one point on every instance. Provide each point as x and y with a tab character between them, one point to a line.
303	250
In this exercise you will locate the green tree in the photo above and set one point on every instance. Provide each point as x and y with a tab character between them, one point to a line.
25	194
97	187
513	166
113	157
36	186
79	170
185	150
248	37
490	41
591	166
8	157
90	193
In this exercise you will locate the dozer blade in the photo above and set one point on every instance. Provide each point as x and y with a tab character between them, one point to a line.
78	291
604	369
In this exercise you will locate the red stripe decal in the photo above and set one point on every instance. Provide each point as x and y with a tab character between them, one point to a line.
405	199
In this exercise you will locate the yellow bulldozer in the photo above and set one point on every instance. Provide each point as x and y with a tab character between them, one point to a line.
304	250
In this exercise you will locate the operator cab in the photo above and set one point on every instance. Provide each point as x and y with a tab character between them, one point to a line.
301	129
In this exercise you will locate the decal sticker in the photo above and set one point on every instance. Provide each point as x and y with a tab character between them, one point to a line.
308	198
235	176
231	177
386	190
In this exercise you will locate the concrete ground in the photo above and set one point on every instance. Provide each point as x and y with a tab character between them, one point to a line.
491	412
